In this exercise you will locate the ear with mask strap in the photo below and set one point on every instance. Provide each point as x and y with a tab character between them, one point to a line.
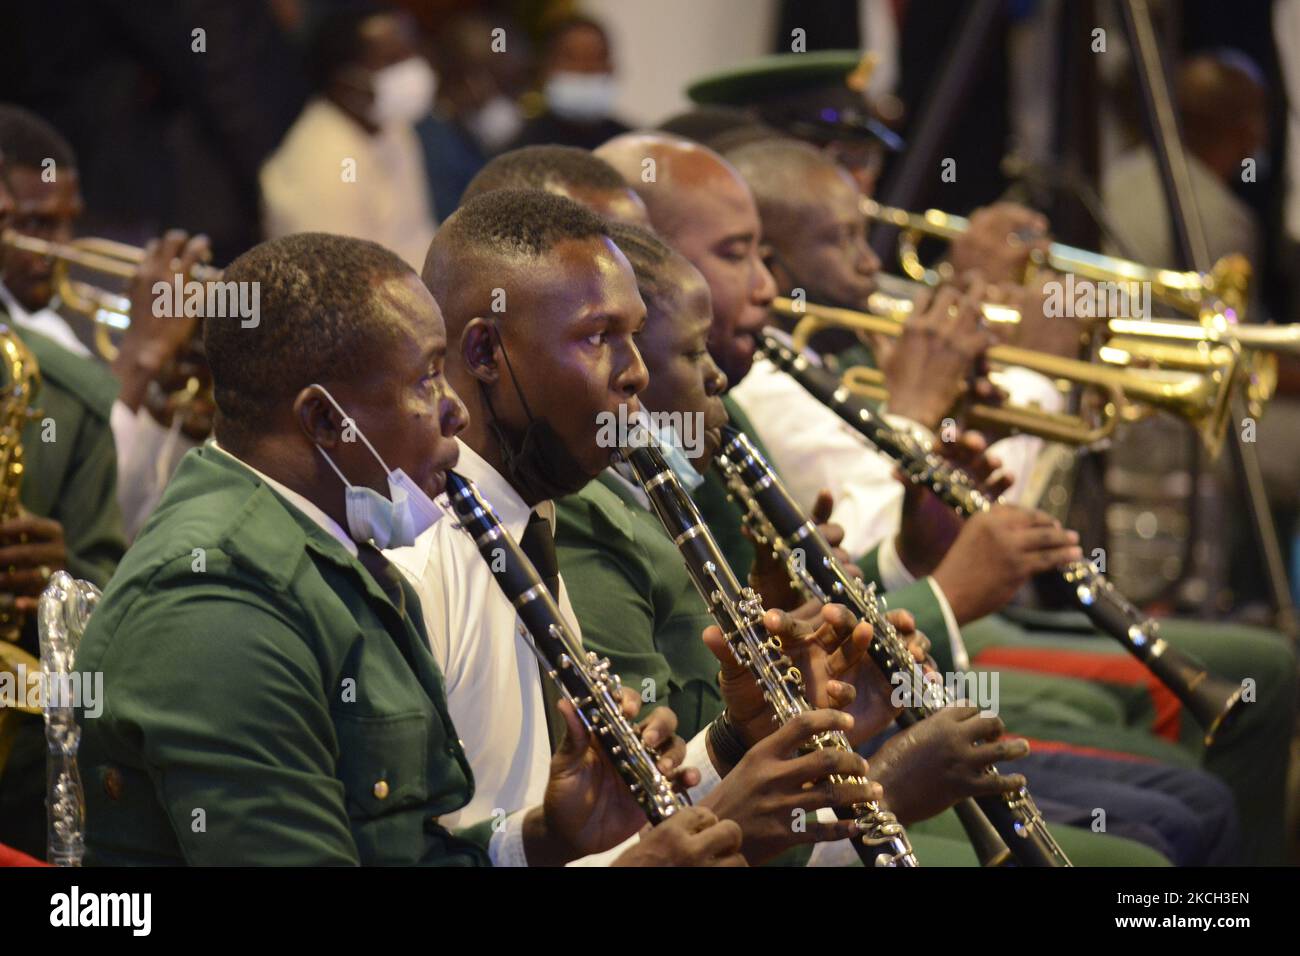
541	468
392	522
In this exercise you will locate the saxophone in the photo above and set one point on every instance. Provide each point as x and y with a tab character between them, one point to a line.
582	677
18	384
20	381
1214	702
738	611
1000	828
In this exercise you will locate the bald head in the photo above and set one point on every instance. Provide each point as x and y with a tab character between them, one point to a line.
702	207
668	172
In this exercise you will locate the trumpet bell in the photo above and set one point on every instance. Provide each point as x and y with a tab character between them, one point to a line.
108	308
1191	381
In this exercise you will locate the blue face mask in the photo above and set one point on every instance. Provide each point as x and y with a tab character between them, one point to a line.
392	522
671	446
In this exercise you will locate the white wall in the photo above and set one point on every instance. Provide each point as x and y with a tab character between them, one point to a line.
661	45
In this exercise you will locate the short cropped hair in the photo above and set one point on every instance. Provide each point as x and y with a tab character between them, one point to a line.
538	167
653	261
513	223
778	173
318	320
28	140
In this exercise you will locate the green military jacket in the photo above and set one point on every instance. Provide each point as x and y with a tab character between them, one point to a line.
635	601
266	701
723	518
70	476
70	458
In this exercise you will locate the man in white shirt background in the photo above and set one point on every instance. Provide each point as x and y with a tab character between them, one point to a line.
1223	105
352	163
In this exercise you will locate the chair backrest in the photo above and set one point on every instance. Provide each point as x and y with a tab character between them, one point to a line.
65	606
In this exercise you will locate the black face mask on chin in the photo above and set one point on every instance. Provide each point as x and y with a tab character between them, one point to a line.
538	464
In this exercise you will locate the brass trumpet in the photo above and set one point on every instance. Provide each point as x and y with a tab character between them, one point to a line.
109	310
1171	344
1198	391
1224	287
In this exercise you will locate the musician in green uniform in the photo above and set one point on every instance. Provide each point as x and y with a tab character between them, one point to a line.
588	178
585	178
269	695
67	518
806	202
638	606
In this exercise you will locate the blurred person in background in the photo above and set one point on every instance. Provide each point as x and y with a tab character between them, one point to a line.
1222	101
579	88
171	107
154	418
46	189
352	163
65	518
481	76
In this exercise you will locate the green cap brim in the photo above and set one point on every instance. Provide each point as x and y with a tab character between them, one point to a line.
780	75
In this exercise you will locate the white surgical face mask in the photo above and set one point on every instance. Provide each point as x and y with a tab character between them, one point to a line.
670	445
581	97
496	123
403	92
392	522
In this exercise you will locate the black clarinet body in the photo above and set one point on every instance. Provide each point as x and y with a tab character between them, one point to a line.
1001	828
1212	701
583	678
738	611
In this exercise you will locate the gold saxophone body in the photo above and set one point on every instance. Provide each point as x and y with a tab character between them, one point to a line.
19	382
18	385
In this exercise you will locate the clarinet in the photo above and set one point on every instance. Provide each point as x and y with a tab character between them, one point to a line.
583	678
738	611
1213	701
1000	827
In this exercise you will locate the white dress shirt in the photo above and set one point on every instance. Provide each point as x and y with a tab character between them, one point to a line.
47	321
493	680
813	448
494	688
1136	203
331	175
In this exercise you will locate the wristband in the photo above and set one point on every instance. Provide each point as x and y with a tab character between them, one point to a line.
727	744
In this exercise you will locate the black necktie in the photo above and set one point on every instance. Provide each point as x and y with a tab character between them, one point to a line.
538	545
